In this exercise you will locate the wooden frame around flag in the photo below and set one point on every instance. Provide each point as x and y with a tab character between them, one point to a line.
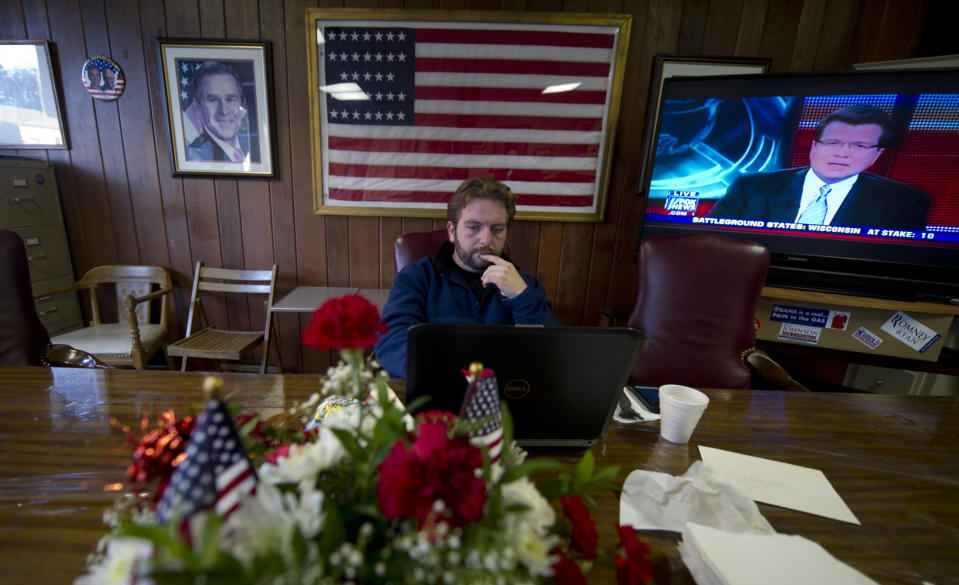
230	132
407	104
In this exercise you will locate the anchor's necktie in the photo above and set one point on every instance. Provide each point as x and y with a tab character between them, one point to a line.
815	212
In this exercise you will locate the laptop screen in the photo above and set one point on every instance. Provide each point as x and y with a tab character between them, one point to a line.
558	382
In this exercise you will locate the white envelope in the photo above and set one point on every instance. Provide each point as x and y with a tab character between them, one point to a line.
780	484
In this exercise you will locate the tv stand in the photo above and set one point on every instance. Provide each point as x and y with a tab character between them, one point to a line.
823	364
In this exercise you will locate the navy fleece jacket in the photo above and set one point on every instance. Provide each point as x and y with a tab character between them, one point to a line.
431	291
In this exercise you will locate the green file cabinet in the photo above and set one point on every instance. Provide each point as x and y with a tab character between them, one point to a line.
30	206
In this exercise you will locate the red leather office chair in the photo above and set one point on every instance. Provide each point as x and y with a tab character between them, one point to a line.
696	306
415	245
24	340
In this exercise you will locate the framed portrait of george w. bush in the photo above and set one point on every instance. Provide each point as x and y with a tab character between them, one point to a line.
218	97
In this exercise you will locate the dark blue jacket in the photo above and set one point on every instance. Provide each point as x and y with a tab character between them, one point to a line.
431	291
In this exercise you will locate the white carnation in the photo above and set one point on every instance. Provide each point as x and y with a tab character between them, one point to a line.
532	550
125	558
267	521
305	462
539	515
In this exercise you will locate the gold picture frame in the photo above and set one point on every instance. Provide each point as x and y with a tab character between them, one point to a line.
406	104
234	134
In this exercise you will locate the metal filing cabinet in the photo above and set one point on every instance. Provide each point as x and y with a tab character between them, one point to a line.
30	206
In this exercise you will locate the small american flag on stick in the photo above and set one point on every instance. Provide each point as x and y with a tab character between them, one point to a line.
482	402
216	472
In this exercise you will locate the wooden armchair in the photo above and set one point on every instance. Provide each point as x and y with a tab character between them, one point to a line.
133	339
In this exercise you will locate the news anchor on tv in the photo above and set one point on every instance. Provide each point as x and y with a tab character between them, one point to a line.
834	189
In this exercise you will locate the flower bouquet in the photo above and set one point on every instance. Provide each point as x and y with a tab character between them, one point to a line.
367	494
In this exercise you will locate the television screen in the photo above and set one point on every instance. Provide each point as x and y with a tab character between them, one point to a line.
850	179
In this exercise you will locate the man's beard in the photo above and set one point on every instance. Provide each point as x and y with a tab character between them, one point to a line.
471	259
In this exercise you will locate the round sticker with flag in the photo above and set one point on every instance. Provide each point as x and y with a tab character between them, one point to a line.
103	78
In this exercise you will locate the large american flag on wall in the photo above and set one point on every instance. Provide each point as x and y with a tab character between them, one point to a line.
409	111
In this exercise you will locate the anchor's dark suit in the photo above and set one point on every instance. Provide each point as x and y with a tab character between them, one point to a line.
873	201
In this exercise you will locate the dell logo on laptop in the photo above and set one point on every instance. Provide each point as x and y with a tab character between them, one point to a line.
516	389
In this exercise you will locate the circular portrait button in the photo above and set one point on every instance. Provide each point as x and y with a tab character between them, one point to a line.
103	78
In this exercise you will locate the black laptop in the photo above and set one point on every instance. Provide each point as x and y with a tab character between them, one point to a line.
561	384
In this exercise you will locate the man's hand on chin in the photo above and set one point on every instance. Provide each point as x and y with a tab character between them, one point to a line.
504	275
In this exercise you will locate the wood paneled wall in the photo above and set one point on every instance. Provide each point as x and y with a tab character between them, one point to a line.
122	204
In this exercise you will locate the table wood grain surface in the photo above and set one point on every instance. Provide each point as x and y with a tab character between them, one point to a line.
893	459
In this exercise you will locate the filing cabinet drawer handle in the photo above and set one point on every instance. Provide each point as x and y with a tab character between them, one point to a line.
45	313
44	299
19	199
37	257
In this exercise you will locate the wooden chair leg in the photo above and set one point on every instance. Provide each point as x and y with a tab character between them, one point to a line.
265	360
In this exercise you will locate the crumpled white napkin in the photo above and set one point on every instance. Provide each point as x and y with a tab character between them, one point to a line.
658	501
718	557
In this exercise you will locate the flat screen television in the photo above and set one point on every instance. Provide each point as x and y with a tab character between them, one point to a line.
714	132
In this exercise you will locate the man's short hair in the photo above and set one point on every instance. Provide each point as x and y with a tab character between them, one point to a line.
858	115
214	68
480	188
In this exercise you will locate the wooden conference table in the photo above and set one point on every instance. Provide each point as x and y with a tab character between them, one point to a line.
893	459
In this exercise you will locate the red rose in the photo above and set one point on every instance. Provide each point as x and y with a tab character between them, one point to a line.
347	322
585	537
634	568
435	467
566	571
281	452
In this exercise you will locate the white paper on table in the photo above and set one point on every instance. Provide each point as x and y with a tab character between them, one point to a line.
780	484
718	557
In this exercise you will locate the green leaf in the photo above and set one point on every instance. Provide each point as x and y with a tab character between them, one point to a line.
507	424
584	469
529	467
250	425
414	405
604	478
158	535
556	487
334	531
209	537
349	442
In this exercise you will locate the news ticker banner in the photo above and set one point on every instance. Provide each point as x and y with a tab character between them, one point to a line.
680	208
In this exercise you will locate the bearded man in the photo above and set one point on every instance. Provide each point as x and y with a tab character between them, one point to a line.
468	280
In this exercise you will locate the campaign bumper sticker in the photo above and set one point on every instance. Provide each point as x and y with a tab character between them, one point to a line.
837	320
911	332
803	333
867	338
808	316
